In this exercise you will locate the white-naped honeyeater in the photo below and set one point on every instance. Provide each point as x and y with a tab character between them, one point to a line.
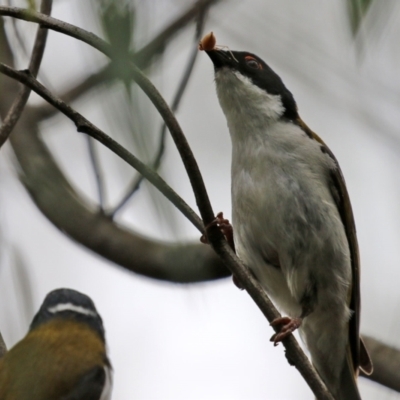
292	218
62	357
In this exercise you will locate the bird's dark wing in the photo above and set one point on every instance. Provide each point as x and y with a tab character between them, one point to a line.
342	200
341	196
90	387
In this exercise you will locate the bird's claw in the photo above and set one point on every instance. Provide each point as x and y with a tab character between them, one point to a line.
225	227
288	325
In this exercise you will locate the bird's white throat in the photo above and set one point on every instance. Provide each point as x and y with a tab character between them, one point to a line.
240	97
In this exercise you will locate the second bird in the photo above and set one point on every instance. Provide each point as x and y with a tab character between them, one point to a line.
63	356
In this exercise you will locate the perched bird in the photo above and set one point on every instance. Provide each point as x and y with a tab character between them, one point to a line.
63	356
292	218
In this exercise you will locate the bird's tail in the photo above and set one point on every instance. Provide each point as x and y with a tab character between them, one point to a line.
347	388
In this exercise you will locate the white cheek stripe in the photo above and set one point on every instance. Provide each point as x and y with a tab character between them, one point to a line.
71	307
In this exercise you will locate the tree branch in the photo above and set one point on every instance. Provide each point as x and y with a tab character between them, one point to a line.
386	361
36	58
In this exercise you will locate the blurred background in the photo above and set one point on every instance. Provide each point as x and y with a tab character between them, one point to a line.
204	340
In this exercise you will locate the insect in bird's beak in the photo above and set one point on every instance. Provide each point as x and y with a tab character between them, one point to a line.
209	43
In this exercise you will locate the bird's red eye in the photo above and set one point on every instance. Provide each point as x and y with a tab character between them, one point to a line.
252	62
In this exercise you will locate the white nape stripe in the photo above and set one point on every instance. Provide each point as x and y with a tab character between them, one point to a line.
71	307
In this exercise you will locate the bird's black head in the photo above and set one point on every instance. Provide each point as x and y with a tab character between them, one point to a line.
71	305
259	73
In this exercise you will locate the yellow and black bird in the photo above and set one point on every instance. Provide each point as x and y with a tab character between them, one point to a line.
63	356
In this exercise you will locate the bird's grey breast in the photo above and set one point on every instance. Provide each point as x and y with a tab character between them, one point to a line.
283	212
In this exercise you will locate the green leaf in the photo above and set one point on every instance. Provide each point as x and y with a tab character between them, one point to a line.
31	5
118	19
357	10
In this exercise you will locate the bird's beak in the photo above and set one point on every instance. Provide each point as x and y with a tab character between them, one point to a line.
220	58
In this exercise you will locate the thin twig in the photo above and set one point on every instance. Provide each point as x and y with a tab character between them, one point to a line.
58	26
216	239
85	126
17	34
36	58
174	107
95	162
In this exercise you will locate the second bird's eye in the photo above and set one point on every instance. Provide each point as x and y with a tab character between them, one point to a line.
252	63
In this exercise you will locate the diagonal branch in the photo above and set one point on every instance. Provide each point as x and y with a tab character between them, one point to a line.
36	58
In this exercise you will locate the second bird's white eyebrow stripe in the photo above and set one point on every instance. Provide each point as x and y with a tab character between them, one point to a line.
71	307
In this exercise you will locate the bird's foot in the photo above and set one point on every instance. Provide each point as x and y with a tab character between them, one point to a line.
287	326
225	227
